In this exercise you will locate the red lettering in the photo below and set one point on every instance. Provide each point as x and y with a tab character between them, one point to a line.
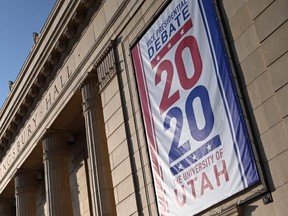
167	100
181	204
190	43
222	172
191	182
191	187
205	183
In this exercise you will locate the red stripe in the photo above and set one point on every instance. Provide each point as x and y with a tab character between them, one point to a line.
145	104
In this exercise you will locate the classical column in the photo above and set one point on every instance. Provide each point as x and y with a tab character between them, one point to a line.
25	192
55	157
7	207
100	173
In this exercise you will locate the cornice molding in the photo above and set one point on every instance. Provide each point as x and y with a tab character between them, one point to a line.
65	38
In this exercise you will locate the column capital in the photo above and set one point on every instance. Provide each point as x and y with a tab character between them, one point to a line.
25	181
25	192
91	77
65	133
55	158
89	89
55	143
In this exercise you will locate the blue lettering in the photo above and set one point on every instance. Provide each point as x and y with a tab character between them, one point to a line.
151	52
157	44
172	29
185	13
177	19
164	37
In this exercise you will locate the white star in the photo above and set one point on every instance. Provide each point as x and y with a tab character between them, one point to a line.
194	157
182	31
208	147
158	58
180	166
169	45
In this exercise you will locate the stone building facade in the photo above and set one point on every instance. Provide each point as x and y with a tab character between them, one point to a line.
72	139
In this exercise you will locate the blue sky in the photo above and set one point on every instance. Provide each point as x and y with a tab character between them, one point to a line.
18	20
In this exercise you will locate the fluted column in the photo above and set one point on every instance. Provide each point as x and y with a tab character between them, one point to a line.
55	157
100	173
7	207
25	192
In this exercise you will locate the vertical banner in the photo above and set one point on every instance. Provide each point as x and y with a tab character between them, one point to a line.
199	147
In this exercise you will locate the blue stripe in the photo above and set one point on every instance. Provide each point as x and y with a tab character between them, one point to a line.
197	155
233	105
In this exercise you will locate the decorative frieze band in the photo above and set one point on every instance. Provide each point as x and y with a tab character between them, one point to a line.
106	65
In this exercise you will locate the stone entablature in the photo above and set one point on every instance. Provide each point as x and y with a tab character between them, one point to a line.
39	87
21	124
45	53
38	116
